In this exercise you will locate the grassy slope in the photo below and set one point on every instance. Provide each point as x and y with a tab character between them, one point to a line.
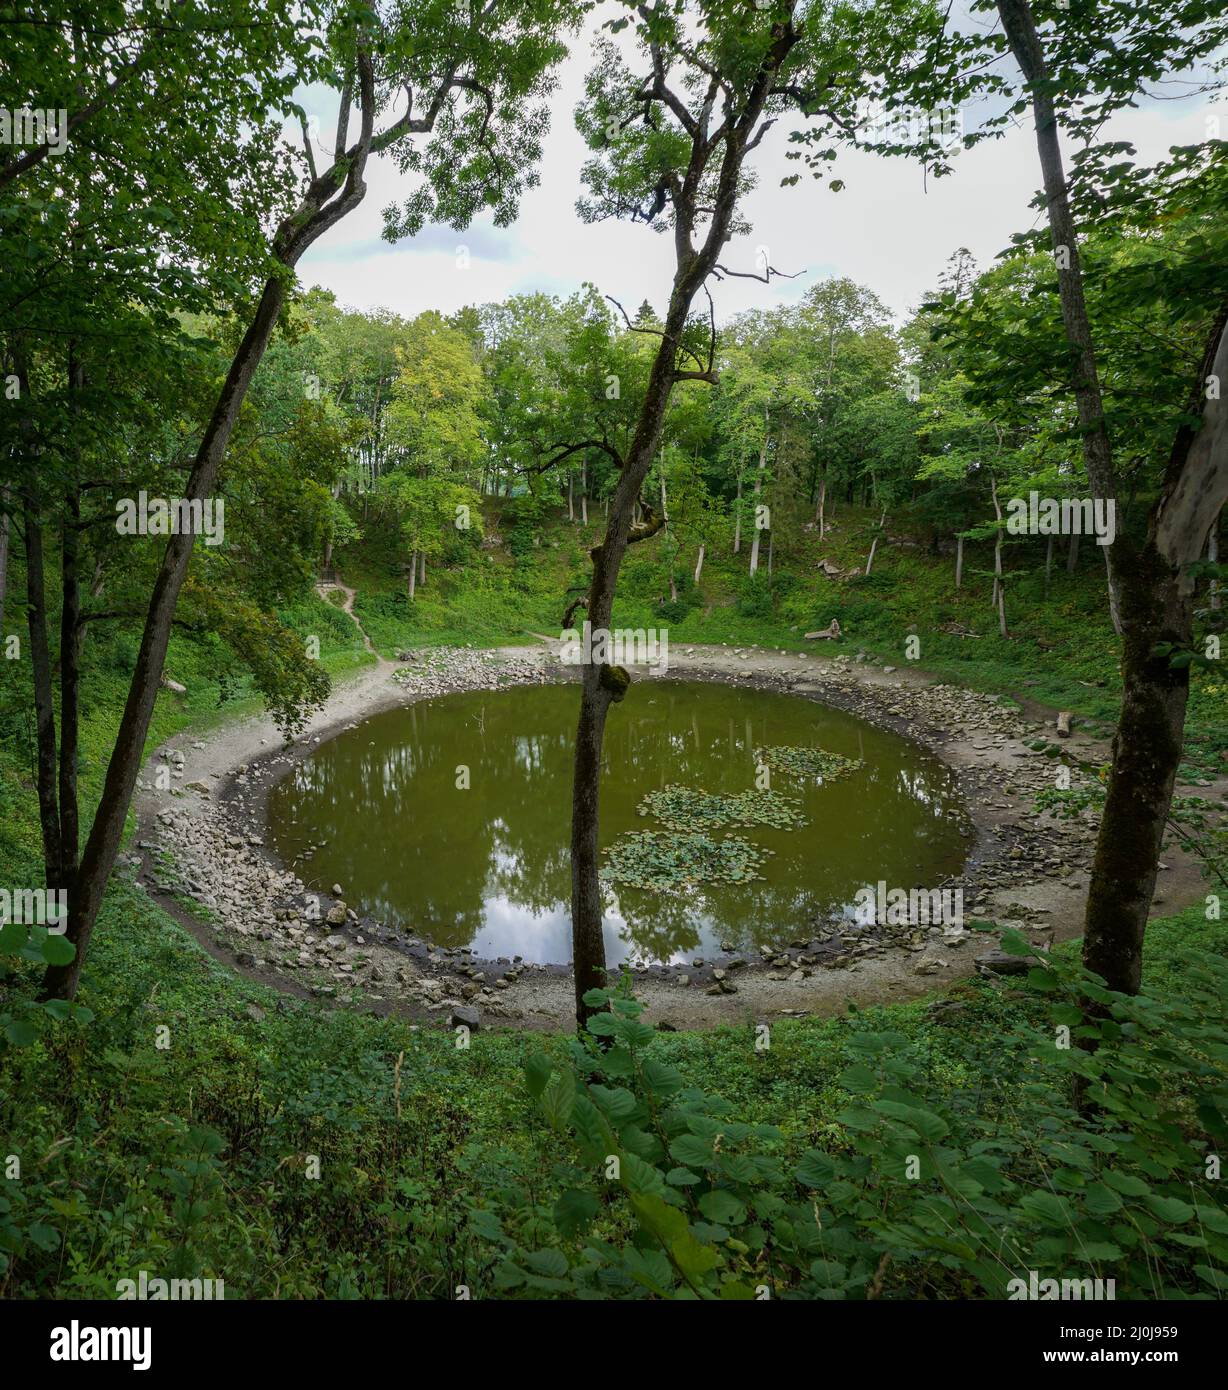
113	1129
1062	651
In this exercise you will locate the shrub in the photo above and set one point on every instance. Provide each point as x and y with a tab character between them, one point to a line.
952	1190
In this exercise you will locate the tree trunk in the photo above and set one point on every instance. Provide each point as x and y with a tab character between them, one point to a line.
1146	754
1153	590
822	503
422	567
571	505
754	545
1212	556
602	685
874	543
737	519
1157	606
4	553
44	708
959	561
70	687
413	574
102	845
699	562
1020	29
330	197
1114	596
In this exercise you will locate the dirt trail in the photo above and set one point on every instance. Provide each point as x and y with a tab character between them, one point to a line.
326	587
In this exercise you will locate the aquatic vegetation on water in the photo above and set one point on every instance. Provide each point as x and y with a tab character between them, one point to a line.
806	762
660	860
689	808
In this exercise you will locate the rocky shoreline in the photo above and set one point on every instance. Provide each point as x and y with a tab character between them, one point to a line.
202	854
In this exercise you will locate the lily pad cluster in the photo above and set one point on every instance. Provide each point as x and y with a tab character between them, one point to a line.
806	762
690	808
661	860
686	853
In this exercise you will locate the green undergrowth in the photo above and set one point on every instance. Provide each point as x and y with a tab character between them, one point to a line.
182	1128
179	1130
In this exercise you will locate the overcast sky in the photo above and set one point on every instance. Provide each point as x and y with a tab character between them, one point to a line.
889	228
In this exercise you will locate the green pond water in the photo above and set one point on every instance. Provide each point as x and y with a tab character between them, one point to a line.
378	810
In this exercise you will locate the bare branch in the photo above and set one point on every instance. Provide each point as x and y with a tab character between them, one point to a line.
654	332
766	277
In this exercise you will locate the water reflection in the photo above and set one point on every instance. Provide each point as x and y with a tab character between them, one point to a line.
384	810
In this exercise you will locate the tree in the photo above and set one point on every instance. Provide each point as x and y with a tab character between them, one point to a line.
477	77
1088	63
1148	575
670	141
433	419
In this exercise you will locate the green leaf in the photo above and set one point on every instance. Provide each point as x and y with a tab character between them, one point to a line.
557	1099
858	1078
723	1207
58	950
1101	1200
928	1125
19	1033
550	1263
45	1237
829	1273
664	1079
1125	1183
692	1151
1048	1206
816	1169
573	1211
1170	1209
537	1071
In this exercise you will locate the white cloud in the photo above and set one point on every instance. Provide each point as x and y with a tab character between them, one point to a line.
888	229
